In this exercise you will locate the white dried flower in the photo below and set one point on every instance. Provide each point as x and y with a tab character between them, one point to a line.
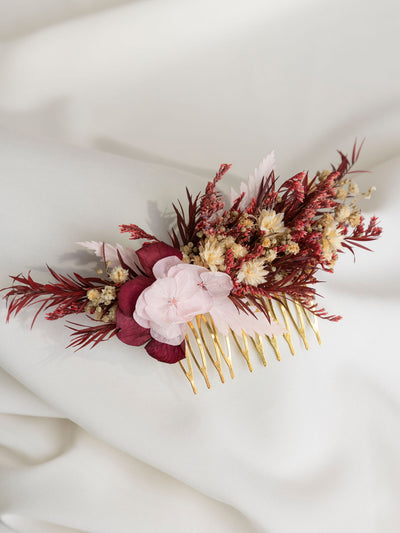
355	218
342	212
252	272
212	253
292	248
270	255
93	294
266	242
353	188
108	294
271	222
119	275
331	240
229	242
341	193
197	260
238	250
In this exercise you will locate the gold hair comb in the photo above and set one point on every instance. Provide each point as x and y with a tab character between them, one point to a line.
240	271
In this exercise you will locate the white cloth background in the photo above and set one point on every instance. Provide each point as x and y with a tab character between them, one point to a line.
108	109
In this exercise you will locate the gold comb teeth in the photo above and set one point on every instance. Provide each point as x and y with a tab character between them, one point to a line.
205	346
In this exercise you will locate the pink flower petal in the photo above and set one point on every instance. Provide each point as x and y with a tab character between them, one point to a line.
218	284
130	332
130	292
165	352
173	334
149	254
161	268
194	270
226	316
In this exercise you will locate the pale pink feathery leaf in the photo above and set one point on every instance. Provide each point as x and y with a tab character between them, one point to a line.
111	253
227	316
250	189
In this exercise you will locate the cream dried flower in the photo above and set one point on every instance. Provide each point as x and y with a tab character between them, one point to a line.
292	248
197	260
342	212
108	294
270	222
228	242
212	253
119	275
270	255
238	250
341	193
252	272
331	240
266	242
247	222
355	218
353	188
93	294
323	175
326	219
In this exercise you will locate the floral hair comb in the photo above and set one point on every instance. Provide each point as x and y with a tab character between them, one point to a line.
237	272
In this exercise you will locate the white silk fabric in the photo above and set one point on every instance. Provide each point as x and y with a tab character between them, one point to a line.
108	110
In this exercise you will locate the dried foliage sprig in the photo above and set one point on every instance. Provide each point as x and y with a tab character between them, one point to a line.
90	335
67	295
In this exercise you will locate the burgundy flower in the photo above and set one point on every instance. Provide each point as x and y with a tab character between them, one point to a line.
166	352
149	254
129	331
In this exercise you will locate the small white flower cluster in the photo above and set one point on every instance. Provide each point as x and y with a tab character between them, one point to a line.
99	302
349	213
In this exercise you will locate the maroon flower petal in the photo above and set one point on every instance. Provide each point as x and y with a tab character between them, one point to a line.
165	352
130	332
149	254
130	292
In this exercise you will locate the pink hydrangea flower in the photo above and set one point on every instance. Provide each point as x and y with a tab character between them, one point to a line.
180	292
129	331
156	308
169	303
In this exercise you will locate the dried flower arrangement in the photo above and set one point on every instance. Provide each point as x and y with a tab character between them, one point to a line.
229	265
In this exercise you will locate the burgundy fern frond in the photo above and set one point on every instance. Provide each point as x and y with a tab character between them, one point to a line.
362	234
68	295
345	165
186	223
91	335
266	194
